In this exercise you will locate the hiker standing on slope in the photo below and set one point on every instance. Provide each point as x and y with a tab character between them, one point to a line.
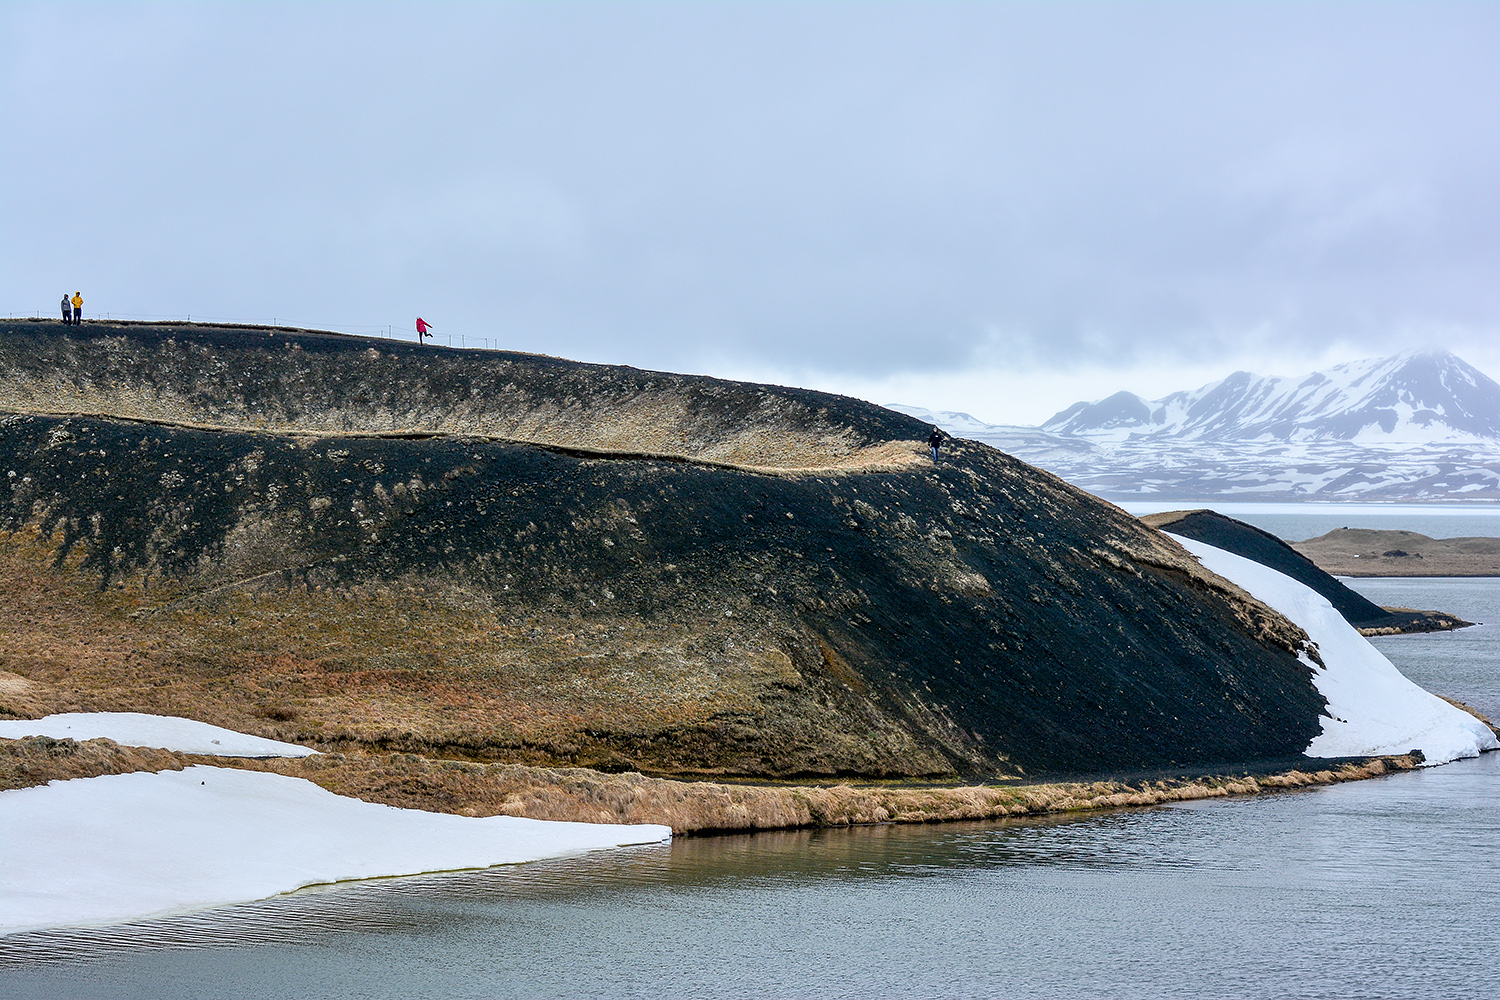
77	308
934	439
422	327
67	310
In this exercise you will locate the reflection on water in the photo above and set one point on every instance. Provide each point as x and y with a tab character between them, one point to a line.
772	859
1369	889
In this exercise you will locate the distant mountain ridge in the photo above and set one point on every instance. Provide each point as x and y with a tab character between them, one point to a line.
1422	425
1419	396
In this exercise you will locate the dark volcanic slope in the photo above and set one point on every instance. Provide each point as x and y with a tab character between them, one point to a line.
1265	548
495	599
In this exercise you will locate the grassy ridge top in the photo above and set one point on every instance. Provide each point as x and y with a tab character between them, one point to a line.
303	382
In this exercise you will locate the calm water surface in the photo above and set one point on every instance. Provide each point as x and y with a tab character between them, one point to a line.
1374	889
1463	664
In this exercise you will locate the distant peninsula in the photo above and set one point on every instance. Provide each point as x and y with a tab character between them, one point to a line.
1370	552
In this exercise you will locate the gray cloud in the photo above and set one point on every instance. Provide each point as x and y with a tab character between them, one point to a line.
848	187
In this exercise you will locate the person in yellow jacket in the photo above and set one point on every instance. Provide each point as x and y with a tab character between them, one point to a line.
77	307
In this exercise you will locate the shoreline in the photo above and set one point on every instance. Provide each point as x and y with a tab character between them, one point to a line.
689	808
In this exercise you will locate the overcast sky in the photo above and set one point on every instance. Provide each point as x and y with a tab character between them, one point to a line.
996	207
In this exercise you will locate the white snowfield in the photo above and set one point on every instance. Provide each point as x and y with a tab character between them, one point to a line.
128	846
1374	708
164	732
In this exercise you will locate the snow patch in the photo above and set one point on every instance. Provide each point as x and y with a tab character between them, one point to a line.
134	729
129	846
1373	708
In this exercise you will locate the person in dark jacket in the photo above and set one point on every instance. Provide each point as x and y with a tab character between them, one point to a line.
67	310
934	439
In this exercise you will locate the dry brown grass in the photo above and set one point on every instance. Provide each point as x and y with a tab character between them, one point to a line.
1362	552
36	760
769	451
662	422
405	667
581	795
697	807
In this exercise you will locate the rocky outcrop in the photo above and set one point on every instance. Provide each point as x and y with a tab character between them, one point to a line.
660	573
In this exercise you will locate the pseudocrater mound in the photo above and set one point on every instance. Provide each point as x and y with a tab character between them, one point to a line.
351	543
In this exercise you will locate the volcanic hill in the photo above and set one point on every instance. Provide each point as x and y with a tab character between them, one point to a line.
360	543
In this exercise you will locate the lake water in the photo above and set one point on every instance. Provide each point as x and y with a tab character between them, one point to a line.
1380	888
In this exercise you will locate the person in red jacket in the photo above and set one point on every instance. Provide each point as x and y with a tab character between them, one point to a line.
422	327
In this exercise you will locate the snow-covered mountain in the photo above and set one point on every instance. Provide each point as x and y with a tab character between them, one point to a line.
958	424
1041	448
1420	425
1419	397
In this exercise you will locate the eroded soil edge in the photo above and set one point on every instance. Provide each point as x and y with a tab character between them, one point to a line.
581	795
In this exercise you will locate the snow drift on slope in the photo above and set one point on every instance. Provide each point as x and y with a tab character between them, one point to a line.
134	729
128	846
1373	708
